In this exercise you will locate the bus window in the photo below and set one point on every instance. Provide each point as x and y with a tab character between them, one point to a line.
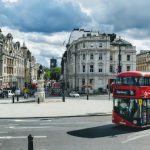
127	107
119	81
141	81
144	81
121	106
127	80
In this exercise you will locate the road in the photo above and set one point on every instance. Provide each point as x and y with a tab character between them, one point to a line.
72	133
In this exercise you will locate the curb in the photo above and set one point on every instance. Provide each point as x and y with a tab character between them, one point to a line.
88	115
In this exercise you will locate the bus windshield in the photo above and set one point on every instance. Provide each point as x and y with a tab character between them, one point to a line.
137	81
127	108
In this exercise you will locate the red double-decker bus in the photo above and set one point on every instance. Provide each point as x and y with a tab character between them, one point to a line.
131	99
56	89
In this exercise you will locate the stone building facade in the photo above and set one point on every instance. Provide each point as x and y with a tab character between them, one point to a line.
143	61
92	60
12	62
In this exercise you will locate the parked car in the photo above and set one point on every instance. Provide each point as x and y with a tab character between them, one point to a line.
8	93
74	94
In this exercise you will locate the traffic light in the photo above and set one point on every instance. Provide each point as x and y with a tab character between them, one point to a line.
119	69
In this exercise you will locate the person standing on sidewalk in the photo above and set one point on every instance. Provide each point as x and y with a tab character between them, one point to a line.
25	92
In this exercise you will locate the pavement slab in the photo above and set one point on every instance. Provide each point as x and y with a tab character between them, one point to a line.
56	108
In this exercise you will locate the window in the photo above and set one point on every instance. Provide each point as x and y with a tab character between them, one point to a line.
111	68
91	68
100	44
83	56
4	60
128	57
128	68
111	58
83	45
92	44
76	46
91	56
144	81
121	106
83	68
100	68
83	81
91	81
5	70
100	56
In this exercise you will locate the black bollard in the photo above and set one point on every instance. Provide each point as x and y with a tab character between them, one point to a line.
63	98
17	98
87	97
12	99
30	142
38	100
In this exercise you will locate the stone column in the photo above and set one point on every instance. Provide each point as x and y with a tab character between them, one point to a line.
40	94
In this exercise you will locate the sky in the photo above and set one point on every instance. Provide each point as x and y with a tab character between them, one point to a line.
45	25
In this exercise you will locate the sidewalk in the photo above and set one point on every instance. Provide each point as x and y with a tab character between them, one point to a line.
54	107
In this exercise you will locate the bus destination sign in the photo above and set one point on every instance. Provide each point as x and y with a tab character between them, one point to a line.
125	92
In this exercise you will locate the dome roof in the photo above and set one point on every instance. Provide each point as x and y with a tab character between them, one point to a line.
1	36
9	35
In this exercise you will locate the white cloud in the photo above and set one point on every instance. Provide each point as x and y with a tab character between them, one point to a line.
42	46
10	1
47	26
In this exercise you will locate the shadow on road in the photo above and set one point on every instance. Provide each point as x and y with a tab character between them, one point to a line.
109	130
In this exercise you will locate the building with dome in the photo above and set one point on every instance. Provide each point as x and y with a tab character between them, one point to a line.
92	61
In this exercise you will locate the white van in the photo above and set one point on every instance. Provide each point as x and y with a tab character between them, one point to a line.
8	93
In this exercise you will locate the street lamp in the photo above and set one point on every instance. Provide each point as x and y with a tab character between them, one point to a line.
87	92
64	59
1	65
119	56
75	67
63	90
63	82
118	43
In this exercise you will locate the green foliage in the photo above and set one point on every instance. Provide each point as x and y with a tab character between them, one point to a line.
53	73
56	70
47	73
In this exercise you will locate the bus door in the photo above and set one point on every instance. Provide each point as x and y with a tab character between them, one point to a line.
145	113
148	111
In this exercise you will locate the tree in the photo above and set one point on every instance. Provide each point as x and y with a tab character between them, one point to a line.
55	73
47	73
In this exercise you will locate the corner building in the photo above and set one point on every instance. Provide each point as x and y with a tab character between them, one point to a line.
92	60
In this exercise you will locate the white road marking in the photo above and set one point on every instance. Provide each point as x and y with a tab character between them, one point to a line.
29	120
20	137
28	127
137	135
